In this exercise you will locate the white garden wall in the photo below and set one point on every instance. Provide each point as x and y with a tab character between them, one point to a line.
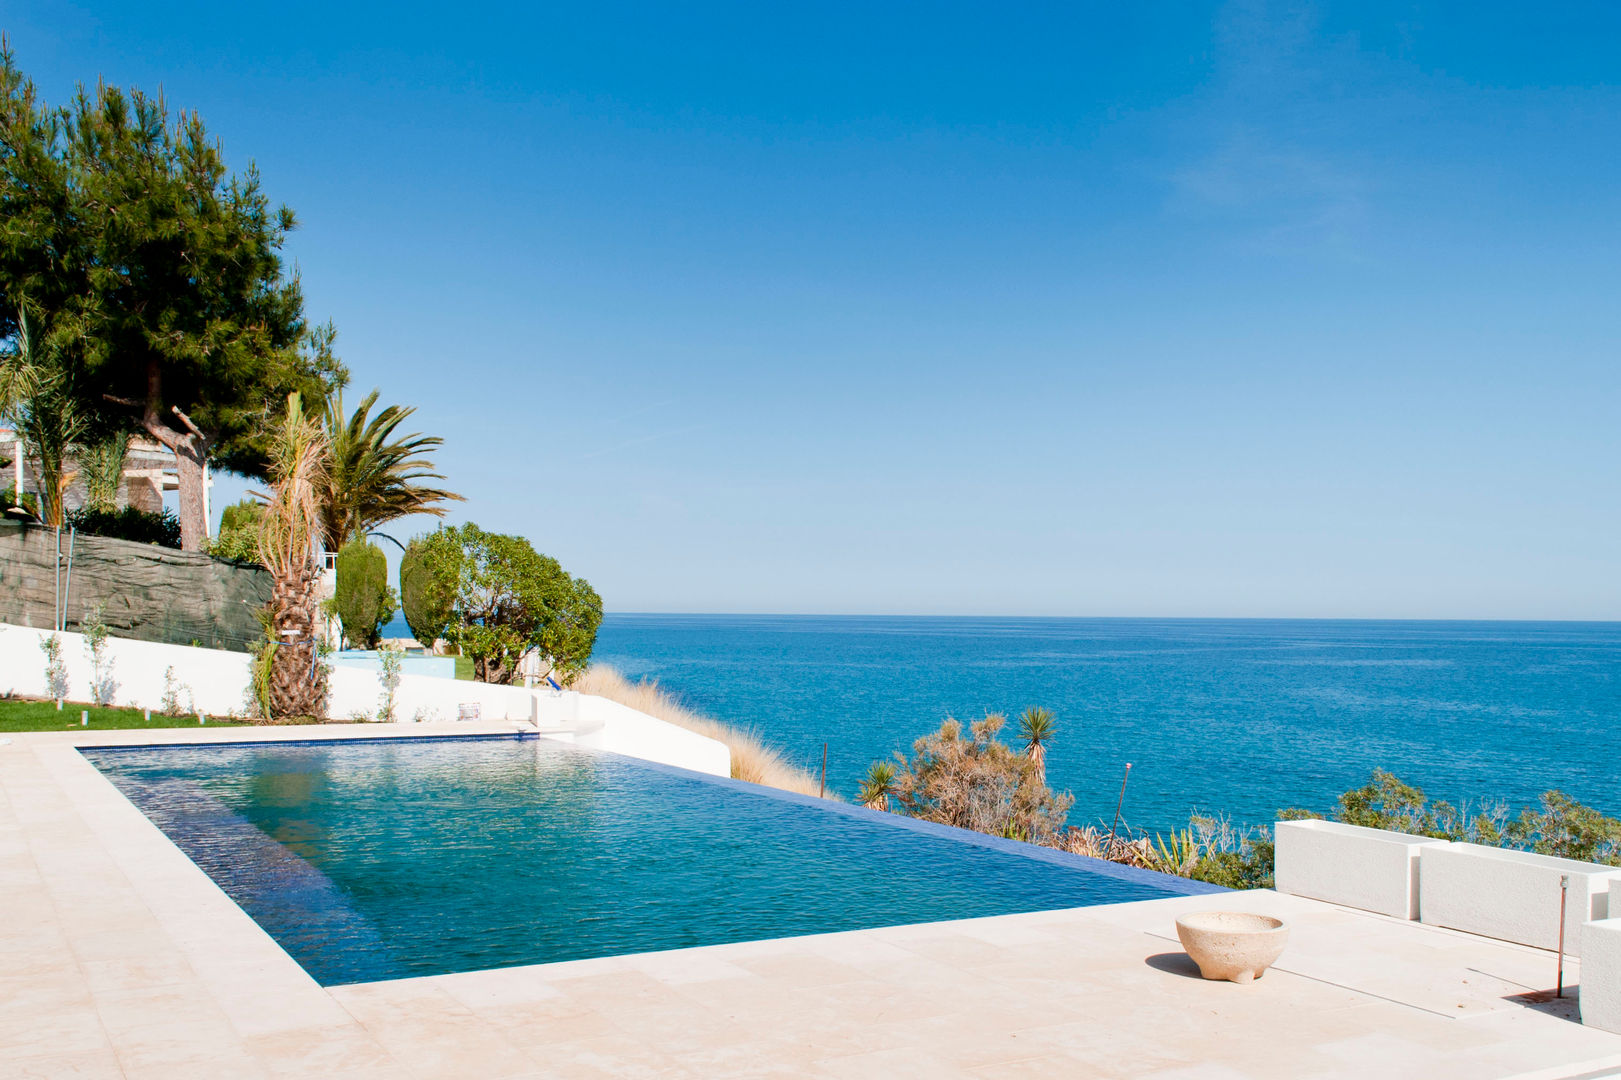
1511	895
1601	975
1370	869
216	682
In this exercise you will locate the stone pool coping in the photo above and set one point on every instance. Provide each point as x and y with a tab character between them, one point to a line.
120	958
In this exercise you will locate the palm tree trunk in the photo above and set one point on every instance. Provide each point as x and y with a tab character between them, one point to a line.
297	680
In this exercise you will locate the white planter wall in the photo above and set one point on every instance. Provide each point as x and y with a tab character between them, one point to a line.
210	680
1370	869
216	682
1511	895
1601	975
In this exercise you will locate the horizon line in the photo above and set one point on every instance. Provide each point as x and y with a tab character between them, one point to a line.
1109	618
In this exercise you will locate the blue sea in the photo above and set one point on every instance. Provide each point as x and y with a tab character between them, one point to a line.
1237	717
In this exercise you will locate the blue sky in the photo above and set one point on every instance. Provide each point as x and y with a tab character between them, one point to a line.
960	308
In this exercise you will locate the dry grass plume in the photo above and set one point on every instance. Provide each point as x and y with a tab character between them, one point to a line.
752	759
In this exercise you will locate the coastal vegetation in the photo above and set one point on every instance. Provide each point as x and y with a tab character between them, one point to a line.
970	779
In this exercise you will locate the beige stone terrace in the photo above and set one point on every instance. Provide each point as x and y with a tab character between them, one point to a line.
119	958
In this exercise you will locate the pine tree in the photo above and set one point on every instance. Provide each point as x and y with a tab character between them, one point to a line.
156	274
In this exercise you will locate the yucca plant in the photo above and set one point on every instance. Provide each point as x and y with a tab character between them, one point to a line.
289	529
877	787
375	475
1037	726
1178	855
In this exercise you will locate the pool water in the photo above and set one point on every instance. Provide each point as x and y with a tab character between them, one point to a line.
391	858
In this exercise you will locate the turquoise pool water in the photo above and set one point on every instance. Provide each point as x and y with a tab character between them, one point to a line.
392	858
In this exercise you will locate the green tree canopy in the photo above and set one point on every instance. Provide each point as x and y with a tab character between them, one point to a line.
504	598
424	601
363	599
155	276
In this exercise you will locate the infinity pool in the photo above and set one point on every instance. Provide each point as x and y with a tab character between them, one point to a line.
391	858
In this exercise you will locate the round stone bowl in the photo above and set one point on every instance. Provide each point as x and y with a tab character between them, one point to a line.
1232	945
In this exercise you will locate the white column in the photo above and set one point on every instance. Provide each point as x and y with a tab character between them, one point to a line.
18	464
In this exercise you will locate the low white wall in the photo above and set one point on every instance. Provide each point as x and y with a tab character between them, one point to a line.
608	725
1370	869
1601	975
1511	895
210	680
358	693
216	682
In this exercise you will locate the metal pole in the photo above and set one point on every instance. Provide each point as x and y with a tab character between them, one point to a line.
823	793
1564	886
67	584
58	577
1117	806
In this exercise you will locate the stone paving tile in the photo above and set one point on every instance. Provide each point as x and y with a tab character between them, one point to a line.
81	1065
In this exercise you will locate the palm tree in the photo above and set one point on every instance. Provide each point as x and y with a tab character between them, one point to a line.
878	786
374	475
36	393
288	529
1037	726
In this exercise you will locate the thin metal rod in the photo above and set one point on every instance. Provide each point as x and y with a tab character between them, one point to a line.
67	582
823	794
1564	886
59	577
1117	807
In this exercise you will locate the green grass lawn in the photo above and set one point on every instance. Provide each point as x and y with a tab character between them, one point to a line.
464	668
42	716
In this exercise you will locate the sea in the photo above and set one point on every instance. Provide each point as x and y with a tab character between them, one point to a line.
1230	718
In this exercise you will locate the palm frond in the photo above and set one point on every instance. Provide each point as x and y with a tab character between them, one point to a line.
376	474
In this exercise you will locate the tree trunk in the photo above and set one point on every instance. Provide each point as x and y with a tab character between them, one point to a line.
297	679
190	446
189	460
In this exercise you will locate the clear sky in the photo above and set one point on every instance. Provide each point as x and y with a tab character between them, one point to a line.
1080	309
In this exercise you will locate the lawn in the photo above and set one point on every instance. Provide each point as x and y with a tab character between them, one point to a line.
42	716
464	668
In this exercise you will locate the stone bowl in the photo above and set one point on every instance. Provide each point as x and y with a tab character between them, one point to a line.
1232	945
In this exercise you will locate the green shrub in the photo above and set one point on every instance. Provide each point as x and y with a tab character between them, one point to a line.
240	545
8	499
238	538
424	601
505	598
242	514
130	523
363	600
973	780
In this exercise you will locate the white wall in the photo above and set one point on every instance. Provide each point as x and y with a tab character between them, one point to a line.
601	724
1512	895
216	682
1601	975
1370	869
210	680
